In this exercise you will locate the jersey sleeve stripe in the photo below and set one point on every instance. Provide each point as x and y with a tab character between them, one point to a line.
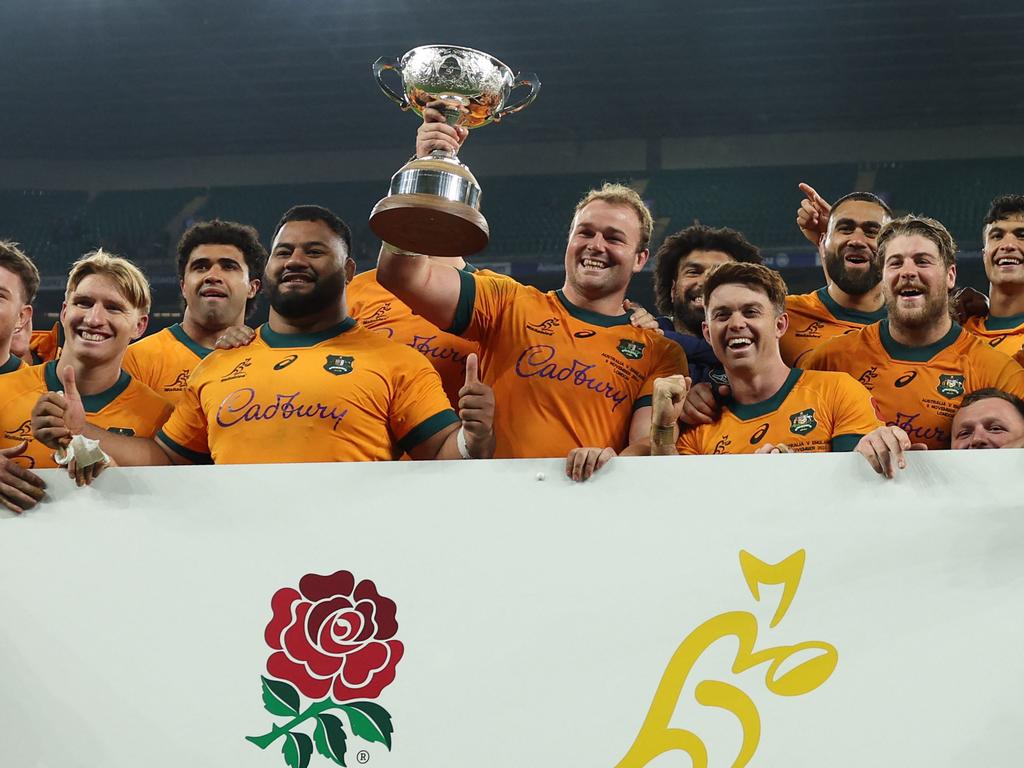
186	453
464	309
642	402
845	443
428	429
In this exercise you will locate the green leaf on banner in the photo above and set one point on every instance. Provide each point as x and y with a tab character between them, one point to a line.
297	750
330	738
280	698
370	721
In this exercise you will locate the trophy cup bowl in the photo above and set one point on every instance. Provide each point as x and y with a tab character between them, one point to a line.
433	203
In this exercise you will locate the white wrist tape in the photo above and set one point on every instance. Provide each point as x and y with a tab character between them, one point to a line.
460	440
83	451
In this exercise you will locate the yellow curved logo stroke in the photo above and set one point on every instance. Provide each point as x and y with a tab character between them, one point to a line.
656	737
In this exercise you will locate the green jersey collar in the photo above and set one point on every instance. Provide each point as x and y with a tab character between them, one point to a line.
839	312
13	363
755	410
1007	323
907	354
91	403
179	333
277	340
593	318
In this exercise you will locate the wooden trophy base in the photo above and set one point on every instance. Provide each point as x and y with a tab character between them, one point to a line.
428	224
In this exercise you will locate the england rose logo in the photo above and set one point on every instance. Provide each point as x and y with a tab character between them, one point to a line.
333	642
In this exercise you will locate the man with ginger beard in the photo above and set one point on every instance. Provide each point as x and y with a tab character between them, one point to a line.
312	385
918	363
681	266
847	248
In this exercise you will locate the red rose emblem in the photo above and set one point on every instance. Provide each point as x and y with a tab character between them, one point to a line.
333	636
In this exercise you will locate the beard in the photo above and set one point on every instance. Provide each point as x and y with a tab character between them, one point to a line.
689	314
855	284
327	289
934	308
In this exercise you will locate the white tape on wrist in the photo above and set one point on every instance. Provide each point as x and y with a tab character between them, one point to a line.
82	450
460	440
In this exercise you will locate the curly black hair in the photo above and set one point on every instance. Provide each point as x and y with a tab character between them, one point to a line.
695	238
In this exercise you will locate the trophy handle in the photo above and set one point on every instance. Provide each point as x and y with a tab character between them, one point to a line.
529	79
381	64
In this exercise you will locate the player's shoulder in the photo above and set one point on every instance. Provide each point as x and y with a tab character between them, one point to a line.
853	340
804	301
26	378
138	391
364	281
829	381
979	351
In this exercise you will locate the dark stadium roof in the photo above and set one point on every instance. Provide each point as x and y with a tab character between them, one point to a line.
144	78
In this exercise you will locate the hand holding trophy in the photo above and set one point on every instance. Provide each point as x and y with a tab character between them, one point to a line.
433	205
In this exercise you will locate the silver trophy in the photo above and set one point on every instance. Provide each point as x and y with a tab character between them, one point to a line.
433	204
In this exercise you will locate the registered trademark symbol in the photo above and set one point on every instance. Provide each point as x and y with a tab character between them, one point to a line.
362	757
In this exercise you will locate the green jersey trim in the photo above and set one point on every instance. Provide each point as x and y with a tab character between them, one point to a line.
91	403
196	349
467	300
845	443
593	318
13	363
428	429
276	340
907	354
839	312
1007	323
195	457
745	412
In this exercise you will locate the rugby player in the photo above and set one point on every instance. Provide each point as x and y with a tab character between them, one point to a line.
577	375
219	268
1003	254
852	296
771	407
918	363
312	386
106	306
19	281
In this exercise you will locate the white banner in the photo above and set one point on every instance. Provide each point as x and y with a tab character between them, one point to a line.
719	611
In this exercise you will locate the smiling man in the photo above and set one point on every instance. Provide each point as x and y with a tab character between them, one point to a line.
312	386
918	364
1003	255
105	307
576	375
852	297
681	265
19	281
771	405
220	264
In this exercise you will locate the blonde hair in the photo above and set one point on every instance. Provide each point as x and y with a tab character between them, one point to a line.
125	275
620	194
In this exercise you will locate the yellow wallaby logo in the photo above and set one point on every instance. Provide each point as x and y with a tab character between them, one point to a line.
656	737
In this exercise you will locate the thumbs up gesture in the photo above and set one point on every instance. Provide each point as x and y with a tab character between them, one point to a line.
57	416
476	410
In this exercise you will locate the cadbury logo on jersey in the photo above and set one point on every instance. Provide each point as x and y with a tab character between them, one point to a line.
631	350
339	364
950	386
802	422
547	328
238	372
